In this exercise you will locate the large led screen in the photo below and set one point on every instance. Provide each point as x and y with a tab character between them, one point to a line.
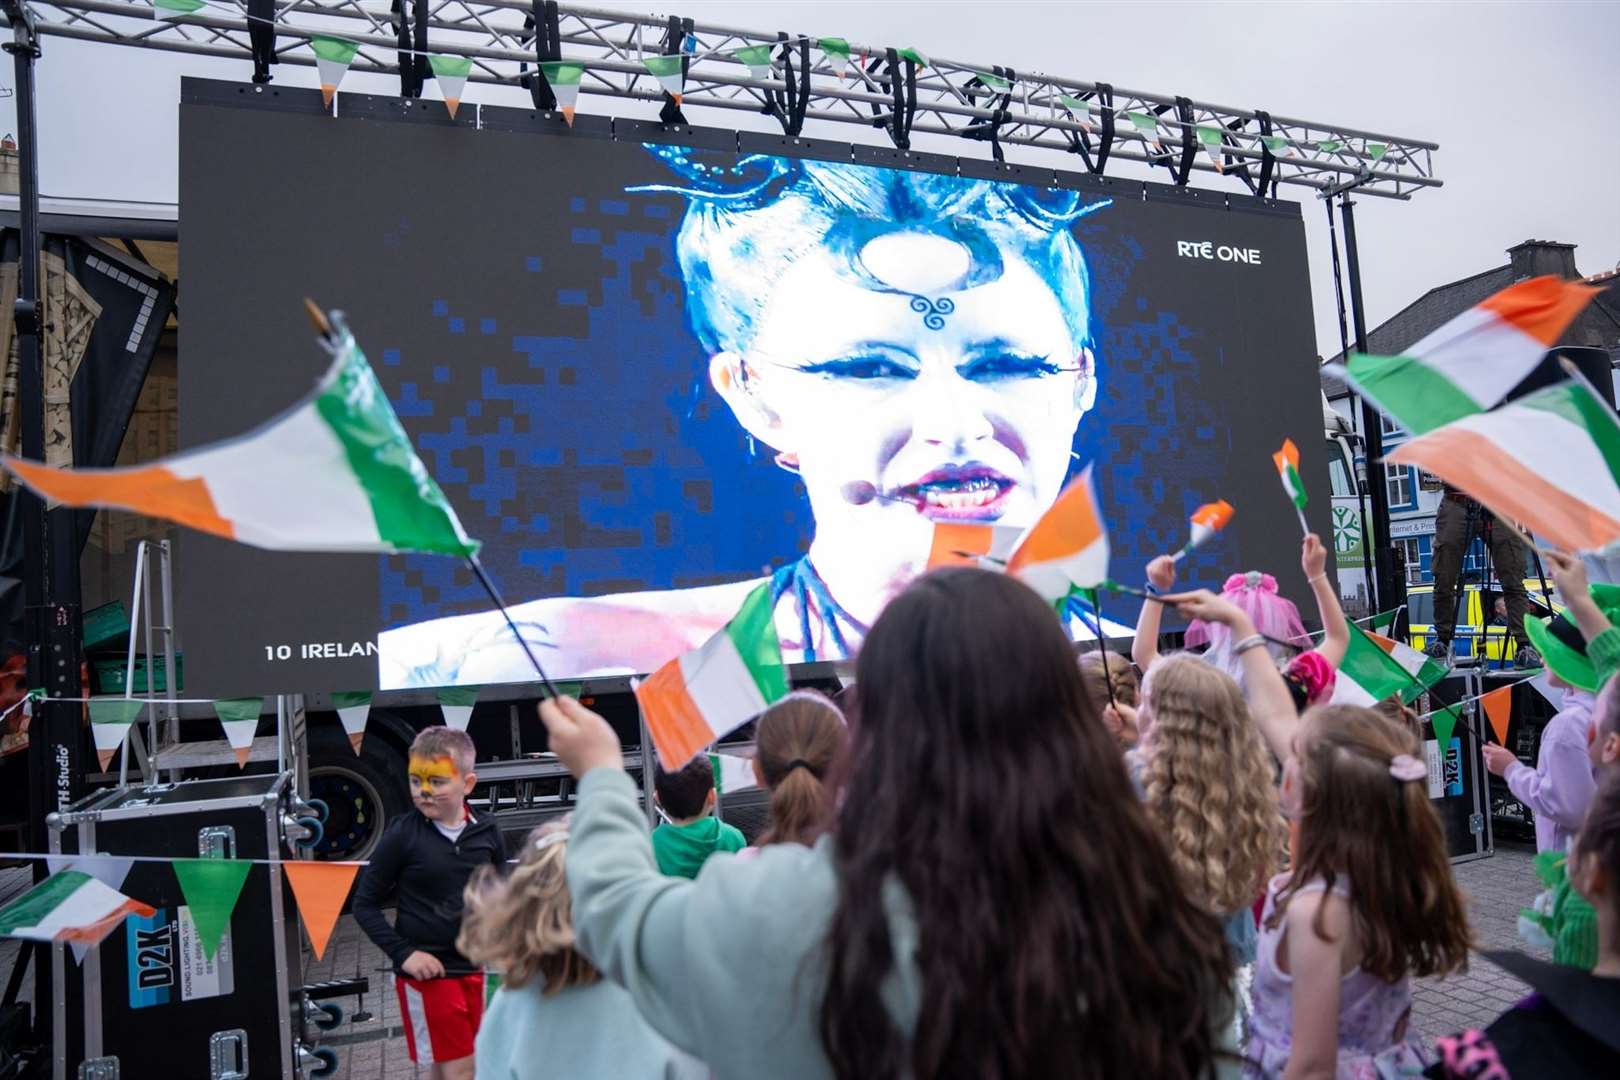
655	378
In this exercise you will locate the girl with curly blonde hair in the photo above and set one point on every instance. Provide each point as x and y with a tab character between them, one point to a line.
1207	781
554	1014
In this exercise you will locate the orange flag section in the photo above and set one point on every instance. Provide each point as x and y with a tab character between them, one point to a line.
1498	706
150	490
320	888
1542	306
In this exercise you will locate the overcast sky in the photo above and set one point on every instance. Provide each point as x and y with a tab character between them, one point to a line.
1521	97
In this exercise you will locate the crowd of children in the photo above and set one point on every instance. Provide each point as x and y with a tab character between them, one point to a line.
1010	864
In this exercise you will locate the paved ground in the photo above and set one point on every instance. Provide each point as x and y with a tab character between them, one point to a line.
1497	887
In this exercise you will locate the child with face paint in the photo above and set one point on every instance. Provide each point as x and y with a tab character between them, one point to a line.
428	858
1369	901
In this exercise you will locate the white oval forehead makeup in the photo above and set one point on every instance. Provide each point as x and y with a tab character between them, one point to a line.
915	262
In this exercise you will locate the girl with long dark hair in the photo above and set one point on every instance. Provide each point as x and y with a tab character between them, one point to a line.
991	902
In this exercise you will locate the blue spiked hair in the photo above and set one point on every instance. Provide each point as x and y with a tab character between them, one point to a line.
750	218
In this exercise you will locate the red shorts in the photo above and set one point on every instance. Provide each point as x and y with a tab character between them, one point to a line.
441	1016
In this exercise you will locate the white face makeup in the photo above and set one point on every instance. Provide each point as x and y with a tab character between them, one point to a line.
954	406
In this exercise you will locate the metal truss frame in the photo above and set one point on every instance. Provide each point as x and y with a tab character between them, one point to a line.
952	98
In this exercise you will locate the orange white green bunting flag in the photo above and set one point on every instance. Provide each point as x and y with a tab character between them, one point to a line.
332	59
451	74
714	689
240	719
175	9
1279	146
334	473
353	709
320	889
456	703
757	58
669	73
1213	139
69	907
110	720
914	55
1078	110
1067	547
836	51
564	77
1146	125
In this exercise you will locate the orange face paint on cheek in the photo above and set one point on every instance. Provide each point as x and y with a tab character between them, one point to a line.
426	770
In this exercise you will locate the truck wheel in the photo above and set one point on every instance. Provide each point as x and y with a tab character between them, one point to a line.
362	793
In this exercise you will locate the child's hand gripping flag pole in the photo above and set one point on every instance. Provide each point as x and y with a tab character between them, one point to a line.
334	473
1205	522
1287	460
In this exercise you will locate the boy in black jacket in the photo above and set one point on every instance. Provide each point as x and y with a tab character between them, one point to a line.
428	857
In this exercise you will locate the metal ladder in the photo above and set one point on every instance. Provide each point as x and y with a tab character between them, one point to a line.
152	618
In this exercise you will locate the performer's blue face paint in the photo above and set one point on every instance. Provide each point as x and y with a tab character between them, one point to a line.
956	406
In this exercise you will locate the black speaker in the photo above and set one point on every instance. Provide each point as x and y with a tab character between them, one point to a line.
1594	366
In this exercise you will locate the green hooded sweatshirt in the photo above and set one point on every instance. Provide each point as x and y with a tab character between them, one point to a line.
683	849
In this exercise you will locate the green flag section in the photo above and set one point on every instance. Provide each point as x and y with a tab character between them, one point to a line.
110	719
335	473
669	73
733	773
456	702
913	55
353	709
836	51
1384	621
1330	146
240	719
564	77
993	81
451	74
1279	146
1377	150
714	689
1213	139
175	9
1079	111
69	907
1368	674
1422	670
1444	722
757	58
1549	461
211	887
1146	124
1473	361
332	59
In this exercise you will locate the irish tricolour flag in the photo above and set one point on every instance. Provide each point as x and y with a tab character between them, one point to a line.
696	698
1423	671
335	473
69	906
1287	462
564	77
1549	461
1369	674
1067	547
1473	361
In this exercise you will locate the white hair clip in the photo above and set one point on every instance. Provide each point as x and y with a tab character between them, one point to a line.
1407	768
550	838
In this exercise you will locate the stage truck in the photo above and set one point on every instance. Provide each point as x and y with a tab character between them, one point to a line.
659	371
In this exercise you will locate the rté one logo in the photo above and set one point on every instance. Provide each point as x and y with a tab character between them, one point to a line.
1192	249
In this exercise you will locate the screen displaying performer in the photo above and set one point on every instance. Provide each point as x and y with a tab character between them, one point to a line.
913	347
653	378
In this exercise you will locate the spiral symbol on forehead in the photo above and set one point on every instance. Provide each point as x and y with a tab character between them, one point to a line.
933	311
